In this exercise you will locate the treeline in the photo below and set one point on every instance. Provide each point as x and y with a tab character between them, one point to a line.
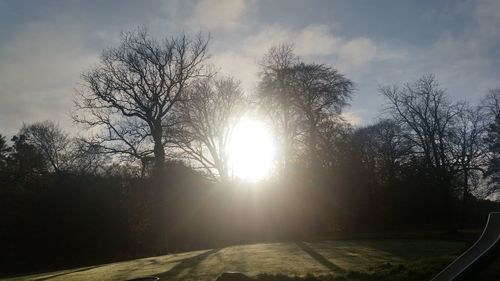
151	175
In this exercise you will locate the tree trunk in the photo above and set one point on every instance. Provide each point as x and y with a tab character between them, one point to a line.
313	144
286	148
465	196
159	150
450	220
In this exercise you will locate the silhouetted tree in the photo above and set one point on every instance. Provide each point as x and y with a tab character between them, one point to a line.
468	149
25	161
209	112
334	134
4	151
88	158
130	95
275	93
426	116
379	153
320	93
302	99
384	149
491	105
49	140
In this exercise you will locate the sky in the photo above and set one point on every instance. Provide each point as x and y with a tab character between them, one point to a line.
46	45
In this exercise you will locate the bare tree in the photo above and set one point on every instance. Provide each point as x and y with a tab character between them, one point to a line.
4	153
334	136
468	149
299	97
88	158
380	153
130	95
50	140
210	112
426	117
491	110
320	94
490	104
275	93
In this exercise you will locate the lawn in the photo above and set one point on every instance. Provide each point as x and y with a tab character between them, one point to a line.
379	259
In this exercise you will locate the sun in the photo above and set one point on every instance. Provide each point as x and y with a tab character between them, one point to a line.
251	150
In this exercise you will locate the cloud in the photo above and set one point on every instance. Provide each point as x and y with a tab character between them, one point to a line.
466	61
171	9
42	54
358	51
464	58
218	14
352	118
39	68
315	40
312	43
238	65
487	18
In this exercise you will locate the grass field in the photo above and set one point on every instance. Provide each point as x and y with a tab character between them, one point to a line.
334	260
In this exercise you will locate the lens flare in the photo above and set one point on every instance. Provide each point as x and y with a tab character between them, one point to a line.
251	150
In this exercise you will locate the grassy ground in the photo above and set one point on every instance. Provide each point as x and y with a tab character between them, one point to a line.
380	259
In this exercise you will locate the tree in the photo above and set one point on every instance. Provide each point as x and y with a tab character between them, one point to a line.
130	95
51	142
426	117
334	135
275	94
491	106
25	161
299	97
320	94
4	152
384	149
467	146
210	111
379	154
88	158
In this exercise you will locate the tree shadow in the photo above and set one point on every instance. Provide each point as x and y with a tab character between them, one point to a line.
318	257
188	263
68	272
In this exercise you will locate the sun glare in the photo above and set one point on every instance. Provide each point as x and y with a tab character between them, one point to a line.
251	150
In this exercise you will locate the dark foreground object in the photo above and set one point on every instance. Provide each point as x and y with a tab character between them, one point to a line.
483	248
233	276
226	276
147	278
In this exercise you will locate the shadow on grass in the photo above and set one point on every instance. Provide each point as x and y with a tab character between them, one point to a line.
68	272
186	264
319	258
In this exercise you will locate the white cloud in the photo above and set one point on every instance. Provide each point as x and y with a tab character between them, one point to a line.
218	14
352	118
312	42
241	66
41	64
39	69
316	40
358	51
